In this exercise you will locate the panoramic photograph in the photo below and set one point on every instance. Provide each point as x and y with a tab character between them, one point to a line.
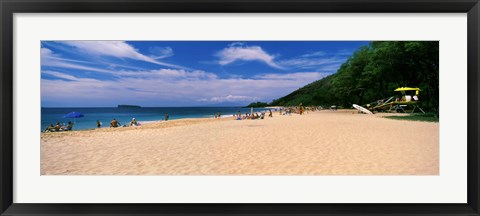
239	108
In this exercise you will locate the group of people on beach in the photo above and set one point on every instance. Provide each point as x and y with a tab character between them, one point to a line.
115	123
59	127
301	110
252	116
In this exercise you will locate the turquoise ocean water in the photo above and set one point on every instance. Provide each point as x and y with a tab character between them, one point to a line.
125	115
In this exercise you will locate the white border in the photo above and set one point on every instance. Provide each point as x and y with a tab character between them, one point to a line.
448	187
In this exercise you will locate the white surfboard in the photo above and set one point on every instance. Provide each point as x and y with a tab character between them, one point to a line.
361	109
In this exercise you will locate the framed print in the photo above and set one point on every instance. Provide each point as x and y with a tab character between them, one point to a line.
247	108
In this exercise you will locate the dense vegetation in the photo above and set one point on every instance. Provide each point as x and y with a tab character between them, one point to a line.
257	104
372	73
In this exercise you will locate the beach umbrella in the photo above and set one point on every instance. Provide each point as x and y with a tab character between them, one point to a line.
74	115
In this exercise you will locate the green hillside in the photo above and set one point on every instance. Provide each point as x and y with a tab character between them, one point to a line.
372	73
316	93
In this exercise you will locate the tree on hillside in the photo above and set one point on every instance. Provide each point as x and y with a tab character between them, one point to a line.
373	72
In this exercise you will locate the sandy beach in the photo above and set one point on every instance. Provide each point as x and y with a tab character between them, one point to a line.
318	143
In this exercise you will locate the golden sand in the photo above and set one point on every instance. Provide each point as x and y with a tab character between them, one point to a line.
318	143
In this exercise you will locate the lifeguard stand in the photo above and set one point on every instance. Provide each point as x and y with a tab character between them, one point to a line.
407	99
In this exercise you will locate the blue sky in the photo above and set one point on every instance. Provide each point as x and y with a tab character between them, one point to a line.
182	73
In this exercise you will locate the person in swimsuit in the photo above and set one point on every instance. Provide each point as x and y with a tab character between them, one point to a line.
114	123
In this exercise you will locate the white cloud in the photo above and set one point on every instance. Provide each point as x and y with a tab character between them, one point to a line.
345	52
311	62
229	98
186	74
248	53
233	98
319	61
53	60
294	76
314	54
61	75
119	49
236	44
114	66
169	74
171	88
48	58
46	52
161	52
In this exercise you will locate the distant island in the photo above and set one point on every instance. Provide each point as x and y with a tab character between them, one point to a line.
257	104
128	106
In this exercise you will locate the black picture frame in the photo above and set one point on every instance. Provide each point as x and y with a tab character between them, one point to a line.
9	7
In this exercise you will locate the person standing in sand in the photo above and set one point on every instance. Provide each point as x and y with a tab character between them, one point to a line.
166	116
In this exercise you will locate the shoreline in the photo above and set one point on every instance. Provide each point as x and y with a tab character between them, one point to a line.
199	120
90	124
145	125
